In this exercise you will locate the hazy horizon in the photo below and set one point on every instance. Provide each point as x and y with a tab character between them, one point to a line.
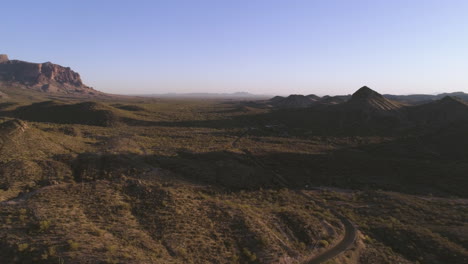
260	47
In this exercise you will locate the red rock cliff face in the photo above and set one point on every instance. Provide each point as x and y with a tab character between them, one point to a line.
3	58
59	74
47	77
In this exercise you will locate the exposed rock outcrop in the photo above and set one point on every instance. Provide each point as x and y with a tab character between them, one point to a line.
45	77
3	58
12	127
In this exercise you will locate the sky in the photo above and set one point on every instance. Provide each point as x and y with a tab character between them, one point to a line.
259	46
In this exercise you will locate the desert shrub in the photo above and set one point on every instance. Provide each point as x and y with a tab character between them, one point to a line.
302	246
111	248
323	243
50	252
22	247
250	255
44	226
72	245
22	218
234	259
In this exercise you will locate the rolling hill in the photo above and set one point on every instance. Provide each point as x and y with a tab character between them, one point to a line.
86	113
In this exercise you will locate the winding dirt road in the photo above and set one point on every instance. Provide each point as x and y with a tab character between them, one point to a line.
350	235
347	241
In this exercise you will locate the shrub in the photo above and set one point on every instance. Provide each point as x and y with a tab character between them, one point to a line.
22	247
44	225
250	255
111	248
22	215
323	243
50	252
302	246
72	245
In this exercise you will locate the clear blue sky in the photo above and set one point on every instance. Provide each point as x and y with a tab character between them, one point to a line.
260	46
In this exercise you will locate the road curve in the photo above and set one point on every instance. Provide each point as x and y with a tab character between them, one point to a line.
350	230
347	241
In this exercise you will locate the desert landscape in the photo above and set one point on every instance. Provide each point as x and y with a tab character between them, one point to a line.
92	177
234	132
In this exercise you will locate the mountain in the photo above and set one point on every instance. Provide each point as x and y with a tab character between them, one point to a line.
366	112
460	95
313	97
301	101
424	98
294	101
368	99
378	101
332	100
441	112
236	95
277	99
3	58
44	77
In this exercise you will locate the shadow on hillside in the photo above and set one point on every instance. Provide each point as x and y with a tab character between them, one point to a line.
86	113
350	168
232	122
312	121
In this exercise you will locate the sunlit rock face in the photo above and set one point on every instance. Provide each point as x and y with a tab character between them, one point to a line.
3	58
46	77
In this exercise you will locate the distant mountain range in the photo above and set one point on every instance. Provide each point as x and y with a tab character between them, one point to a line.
236	95
302	101
50	78
365	112
298	100
423	98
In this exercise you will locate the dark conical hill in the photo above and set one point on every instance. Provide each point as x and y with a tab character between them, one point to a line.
366	98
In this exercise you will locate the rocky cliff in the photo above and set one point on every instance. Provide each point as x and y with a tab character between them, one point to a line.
45	77
3	58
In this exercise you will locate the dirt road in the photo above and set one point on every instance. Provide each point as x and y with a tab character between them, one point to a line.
342	246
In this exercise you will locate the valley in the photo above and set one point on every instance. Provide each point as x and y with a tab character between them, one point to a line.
121	179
